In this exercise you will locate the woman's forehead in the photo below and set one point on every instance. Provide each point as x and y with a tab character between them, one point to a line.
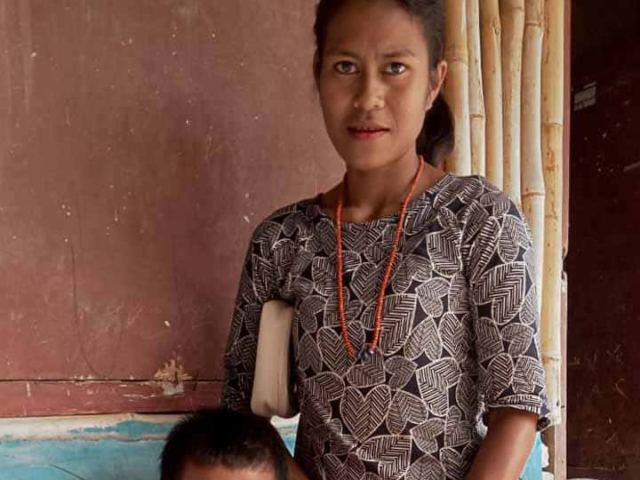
383	26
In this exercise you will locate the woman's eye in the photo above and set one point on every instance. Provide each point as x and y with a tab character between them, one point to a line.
345	68
395	68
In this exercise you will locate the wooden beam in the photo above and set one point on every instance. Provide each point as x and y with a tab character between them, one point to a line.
556	437
512	13
456	88
46	398
533	189
476	94
491	40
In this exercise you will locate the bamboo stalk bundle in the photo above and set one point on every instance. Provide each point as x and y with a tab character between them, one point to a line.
491	40
533	190
476	95
512	12
552	131
456	88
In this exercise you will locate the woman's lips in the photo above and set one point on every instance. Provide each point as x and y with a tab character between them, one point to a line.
367	133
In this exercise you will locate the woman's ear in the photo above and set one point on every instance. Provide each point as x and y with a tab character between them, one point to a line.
437	78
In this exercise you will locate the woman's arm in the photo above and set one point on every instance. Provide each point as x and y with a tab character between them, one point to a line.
506	448
504	311
295	472
258	284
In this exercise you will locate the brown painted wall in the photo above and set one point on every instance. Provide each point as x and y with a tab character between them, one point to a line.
600	28
140	144
604	272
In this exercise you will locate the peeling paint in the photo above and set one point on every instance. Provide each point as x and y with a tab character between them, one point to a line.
172	372
170	389
109	447
89	428
114	446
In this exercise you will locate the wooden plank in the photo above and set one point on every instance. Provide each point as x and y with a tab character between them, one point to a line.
33	399
604	304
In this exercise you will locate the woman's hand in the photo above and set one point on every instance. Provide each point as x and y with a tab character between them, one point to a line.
507	446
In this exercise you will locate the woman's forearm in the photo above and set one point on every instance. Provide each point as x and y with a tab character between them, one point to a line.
506	448
295	472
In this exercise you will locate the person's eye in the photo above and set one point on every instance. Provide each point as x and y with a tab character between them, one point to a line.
395	68
345	68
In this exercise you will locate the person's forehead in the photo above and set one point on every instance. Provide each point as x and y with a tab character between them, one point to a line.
381	24
193	471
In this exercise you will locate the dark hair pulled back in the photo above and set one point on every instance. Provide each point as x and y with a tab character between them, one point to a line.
436	139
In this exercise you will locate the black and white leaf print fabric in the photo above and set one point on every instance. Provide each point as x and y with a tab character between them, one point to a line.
397	313
424	340
363	414
425	435
336	356
367	373
405	407
459	331
401	370
426	468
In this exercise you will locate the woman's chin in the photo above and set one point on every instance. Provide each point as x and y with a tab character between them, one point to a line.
365	159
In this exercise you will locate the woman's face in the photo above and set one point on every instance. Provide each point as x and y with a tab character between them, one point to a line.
374	83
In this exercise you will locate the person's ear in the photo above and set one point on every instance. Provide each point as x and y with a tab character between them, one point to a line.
437	78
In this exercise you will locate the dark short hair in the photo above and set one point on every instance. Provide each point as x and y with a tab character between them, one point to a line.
225	438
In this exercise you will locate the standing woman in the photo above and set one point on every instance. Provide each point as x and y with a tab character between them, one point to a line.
415	309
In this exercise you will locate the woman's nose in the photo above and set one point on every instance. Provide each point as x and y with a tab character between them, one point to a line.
370	94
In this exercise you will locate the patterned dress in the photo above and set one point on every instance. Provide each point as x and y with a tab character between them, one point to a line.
459	332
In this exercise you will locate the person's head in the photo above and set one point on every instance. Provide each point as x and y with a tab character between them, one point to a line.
223	445
379	65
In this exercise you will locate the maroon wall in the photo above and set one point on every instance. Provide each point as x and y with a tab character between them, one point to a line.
140	143
604	257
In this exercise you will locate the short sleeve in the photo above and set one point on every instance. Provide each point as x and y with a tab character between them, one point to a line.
504	308
258	284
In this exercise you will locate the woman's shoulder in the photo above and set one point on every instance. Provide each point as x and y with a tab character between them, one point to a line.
460	192
286	221
467	187
293	209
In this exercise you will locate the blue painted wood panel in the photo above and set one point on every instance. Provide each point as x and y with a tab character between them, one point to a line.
128	449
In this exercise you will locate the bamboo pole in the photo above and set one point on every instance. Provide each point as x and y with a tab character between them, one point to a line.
552	133
456	88
533	190
512	12
476	95
490	34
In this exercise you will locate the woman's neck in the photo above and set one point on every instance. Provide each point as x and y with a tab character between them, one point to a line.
375	189
376	194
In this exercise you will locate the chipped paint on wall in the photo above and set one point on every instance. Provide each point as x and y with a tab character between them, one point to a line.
172	377
110	447
101	447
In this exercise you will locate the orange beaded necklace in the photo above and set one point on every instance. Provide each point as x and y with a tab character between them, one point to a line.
387	274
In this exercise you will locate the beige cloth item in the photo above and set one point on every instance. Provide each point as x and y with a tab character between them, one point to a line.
271	395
